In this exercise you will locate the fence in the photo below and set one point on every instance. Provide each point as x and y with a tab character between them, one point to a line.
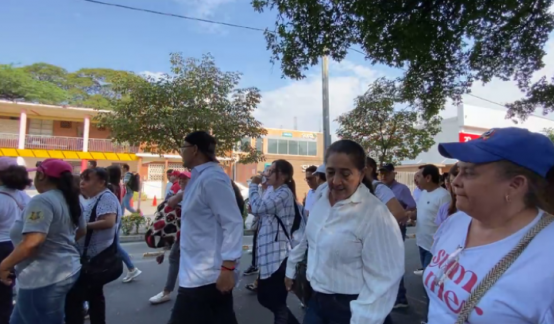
406	178
45	142
9	140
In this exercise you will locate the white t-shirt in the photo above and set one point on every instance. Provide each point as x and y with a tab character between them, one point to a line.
428	206
10	210
383	192
310	198
523	295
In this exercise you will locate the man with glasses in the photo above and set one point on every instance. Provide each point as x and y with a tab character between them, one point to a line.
311	180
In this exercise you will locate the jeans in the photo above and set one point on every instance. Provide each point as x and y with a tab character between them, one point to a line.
401	296
272	294
173	272
6	292
203	305
331	309
81	292
125	256
43	305
425	257
126	204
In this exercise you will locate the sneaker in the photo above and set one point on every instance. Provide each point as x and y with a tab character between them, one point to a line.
252	287
85	310
250	271
418	272
160	298
401	304
132	275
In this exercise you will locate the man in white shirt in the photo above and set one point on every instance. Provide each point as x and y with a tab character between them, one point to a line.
311	180
211	238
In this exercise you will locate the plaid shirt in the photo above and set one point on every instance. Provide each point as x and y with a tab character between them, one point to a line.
273	245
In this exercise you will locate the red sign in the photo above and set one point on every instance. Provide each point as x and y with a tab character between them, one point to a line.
465	137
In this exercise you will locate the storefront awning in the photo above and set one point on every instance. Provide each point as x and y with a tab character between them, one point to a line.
73	155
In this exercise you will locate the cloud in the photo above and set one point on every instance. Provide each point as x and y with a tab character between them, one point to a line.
154	75
205	9
303	99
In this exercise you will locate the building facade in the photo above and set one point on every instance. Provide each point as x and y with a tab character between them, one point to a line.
34	132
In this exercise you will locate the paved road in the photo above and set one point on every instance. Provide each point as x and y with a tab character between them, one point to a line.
128	303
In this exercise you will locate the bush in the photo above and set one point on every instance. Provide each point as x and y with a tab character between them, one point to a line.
134	220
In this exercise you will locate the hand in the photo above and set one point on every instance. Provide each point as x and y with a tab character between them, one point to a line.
160	258
5	277
257	179
288	283
226	281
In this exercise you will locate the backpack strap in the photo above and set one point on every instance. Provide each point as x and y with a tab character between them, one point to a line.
297	215
19	205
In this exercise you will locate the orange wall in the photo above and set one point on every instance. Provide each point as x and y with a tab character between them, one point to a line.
98	133
73	131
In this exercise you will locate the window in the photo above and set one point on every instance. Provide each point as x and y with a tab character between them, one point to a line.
245	142
272	146
260	144
283	147
291	147
312	148
65	124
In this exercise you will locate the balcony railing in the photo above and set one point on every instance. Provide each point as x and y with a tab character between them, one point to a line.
45	142
9	140
106	145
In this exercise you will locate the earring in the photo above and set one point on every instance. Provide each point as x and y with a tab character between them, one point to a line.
507	198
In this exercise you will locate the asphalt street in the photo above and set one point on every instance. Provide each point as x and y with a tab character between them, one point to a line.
128	303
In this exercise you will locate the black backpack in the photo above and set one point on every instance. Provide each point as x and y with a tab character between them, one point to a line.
134	182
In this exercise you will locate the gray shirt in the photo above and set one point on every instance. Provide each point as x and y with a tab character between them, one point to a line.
57	258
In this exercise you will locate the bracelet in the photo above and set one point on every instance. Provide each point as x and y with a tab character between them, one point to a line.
228	269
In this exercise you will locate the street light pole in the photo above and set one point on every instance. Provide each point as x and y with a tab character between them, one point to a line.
325	88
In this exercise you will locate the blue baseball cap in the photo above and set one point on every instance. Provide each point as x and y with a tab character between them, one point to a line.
530	150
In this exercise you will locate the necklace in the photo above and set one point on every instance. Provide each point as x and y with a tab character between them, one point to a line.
448	266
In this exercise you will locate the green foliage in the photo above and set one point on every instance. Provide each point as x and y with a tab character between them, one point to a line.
540	94
51	84
133	221
550	133
446	46
390	134
16	84
196	96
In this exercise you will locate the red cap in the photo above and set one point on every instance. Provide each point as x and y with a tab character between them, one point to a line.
53	168
184	174
175	173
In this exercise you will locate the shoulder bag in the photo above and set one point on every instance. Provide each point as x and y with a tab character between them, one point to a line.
500	268
104	267
301	287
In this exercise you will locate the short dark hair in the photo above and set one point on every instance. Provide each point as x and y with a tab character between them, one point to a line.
169	171
93	163
431	170
321	176
126	166
356	154
311	168
15	177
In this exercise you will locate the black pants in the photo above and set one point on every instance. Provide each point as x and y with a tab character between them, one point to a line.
203	305
272	294
81	292
401	297
6	292
255	250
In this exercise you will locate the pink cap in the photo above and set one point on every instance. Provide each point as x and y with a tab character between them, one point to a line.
6	162
184	174
175	173
53	168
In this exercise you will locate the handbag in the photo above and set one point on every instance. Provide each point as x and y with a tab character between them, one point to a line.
104	267
301	287
500	268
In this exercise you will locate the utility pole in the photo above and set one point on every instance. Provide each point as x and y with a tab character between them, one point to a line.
325	82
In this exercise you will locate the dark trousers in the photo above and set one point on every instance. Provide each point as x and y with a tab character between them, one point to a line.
203	305
81	292
401	297
331	309
255	250
425	258
6	292
272	294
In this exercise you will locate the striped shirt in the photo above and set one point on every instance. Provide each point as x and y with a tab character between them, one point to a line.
273	244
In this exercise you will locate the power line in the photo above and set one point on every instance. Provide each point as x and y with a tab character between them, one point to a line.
174	15
230	25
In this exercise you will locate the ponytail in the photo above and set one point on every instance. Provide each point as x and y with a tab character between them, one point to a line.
66	184
369	185
292	186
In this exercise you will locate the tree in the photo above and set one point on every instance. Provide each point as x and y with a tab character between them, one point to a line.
390	133
550	133
17	84
540	94
196	96
446	46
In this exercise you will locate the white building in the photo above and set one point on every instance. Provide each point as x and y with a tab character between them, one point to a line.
472	121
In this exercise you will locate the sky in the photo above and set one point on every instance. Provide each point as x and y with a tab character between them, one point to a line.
75	34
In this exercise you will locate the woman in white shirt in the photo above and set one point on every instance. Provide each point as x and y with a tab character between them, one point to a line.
504	186
355	250
279	218
13	179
